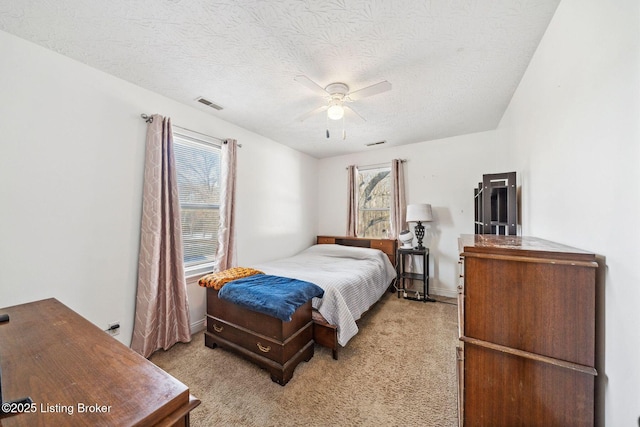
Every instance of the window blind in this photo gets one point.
(198, 172)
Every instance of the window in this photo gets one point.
(198, 171)
(374, 202)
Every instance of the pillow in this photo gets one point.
(219, 279)
(355, 252)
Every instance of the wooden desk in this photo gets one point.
(76, 374)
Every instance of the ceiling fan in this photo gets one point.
(337, 96)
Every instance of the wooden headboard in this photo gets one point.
(388, 246)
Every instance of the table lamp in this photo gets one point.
(419, 213)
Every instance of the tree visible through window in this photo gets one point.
(198, 170)
(374, 202)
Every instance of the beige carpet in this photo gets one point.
(398, 371)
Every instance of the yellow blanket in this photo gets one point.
(217, 280)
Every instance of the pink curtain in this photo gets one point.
(399, 203)
(162, 310)
(352, 203)
(226, 253)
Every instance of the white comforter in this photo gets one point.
(353, 279)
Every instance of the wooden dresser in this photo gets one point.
(527, 331)
(78, 375)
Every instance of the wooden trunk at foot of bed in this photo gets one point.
(271, 343)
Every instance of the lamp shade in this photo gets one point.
(419, 213)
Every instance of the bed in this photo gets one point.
(354, 274)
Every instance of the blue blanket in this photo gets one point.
(275, 296)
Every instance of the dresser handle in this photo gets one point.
(264, 349)
(218, 328)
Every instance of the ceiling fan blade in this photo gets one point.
(348, 107)
(310, 84)
(305, 116)
(370, 90)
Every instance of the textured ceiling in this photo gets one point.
(453, 64)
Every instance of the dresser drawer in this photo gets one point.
(278, 351)
(523, 389)
(461, 275)
(541, 307)
(460, 376)
(461, 315)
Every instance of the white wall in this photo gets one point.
(574, 129)
(71, 168)
(442, 173)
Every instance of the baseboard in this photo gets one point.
(445, 292)
(198, 326)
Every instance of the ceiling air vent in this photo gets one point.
(375, 143)
(208, 103)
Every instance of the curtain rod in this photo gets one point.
(377, 165)
(149, 119)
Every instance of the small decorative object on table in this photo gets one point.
(406, 238)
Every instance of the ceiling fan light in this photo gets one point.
(335, 112)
